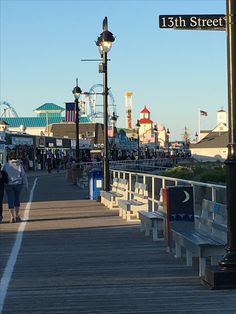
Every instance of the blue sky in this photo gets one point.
(174, 73)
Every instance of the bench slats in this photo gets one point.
(119, 190)
(152, 221)
(129, 208)
(208, 236)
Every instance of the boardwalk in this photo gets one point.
(76, 256)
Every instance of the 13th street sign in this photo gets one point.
(203, 22)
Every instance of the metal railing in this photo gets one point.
(145, 165)
(149, 172)
(155, 183)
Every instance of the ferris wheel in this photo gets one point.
(7, 110)
(95, 99)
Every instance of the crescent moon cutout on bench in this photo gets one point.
(186, 197)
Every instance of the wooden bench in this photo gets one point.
(105, 195)
(206, 238)
(129, 208)
(119, 190)
(151, 222)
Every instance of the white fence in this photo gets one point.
(148, 171)
(155, 183)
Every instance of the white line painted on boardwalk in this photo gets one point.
(6, 277)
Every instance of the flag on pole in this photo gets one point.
(200, 113)
(203, 113)
(70, 112)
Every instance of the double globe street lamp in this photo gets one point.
(104, 43)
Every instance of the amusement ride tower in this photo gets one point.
(128, 109)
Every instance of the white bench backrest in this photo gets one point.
(220, 213)
(219, 227)
(213, 220)
(123, 187)
(204, 224)
(115, 184)
(141, 189)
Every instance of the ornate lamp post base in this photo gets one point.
(217, 277)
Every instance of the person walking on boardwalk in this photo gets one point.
(49, 164)
(3, 181)
(16, 180)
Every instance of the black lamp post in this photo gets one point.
(113, 123)
(168, 141)
(229, 260)
(138, 127)
(104, 43)
(224, 276)
(155, 129)
(196, 137)
(77, 91)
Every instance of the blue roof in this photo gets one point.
(34, 122)
(31, 122)
(49, 106)
(84, 119)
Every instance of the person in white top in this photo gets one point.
(17, 179)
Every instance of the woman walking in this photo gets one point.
(3, 181)
(16, 180)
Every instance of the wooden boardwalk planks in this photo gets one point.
(79, 257)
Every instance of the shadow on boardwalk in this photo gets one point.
(79, 257)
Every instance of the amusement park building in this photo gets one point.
(47, 114)
(50, 123)
(146, 132)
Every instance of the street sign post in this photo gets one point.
(222, 276)
(193, 22)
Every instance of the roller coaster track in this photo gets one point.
(7, 110)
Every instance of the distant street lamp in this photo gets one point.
(168, 141)
(155, 129)
(104, 43)
(77, 92)
(137, 128)
(113, 124)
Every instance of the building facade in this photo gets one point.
(213, 143)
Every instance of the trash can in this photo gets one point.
(96, 183)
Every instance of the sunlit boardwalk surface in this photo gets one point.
(76, 256)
